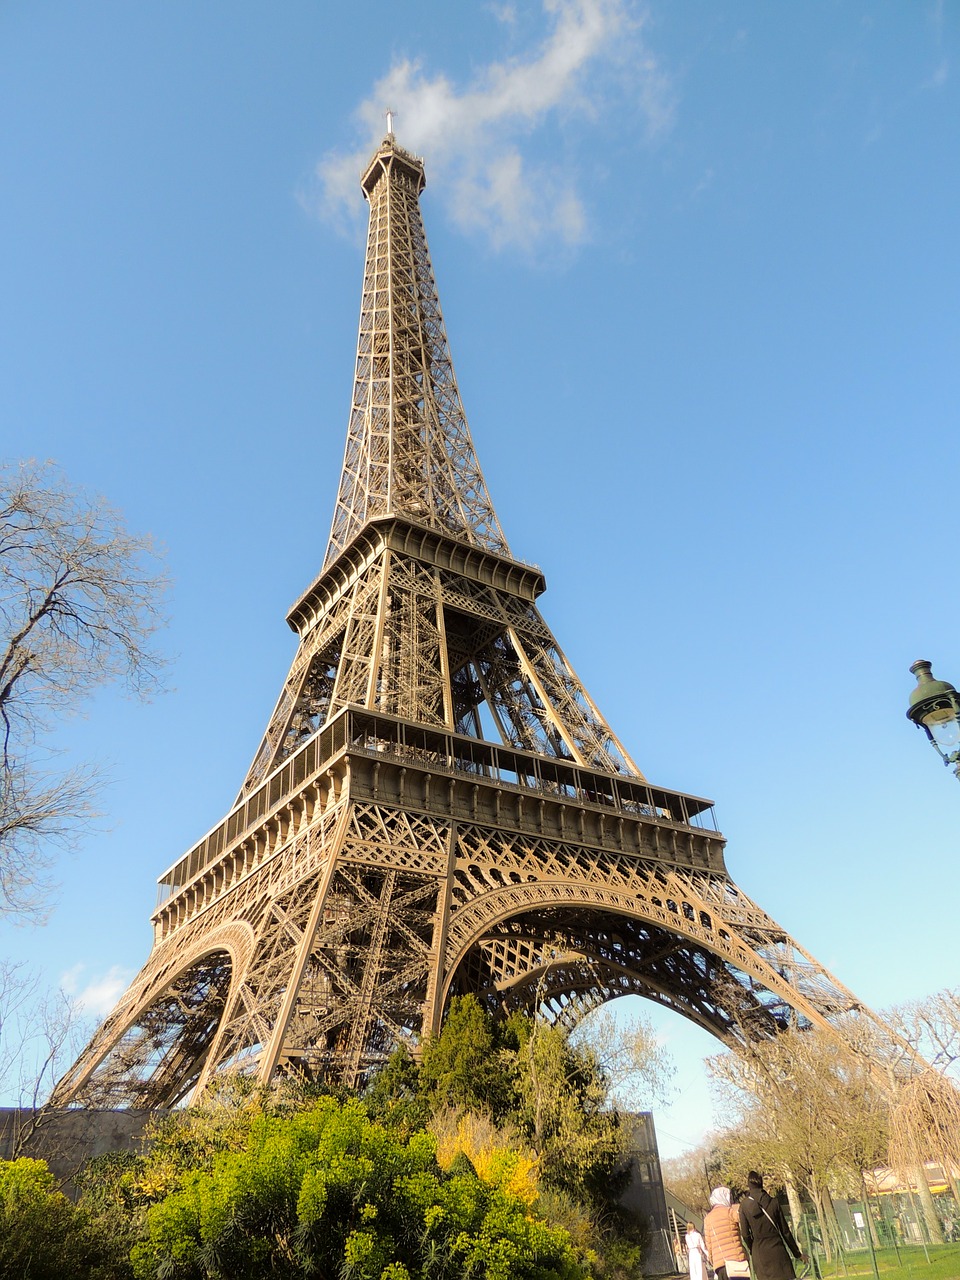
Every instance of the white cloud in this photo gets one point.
(940, 76)
(505, 13)
(476, 137)
(95, 996)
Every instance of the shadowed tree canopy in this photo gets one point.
(79, 604)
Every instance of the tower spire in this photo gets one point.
(409, 451)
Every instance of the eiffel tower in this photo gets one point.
(437, 806)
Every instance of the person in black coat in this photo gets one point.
(766, 1234)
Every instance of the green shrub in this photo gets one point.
(328, 1192)
(43, 1236)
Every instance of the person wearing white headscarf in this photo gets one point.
(721, 1229)
(696, 1253)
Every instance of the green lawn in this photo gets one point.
(944, 1264)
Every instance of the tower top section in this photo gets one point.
(391, 160)
(409, 452)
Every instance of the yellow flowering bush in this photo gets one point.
(328, 1191)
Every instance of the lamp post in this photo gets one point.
(935, 708)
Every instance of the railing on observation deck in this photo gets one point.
(355, 731)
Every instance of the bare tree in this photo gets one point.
(40, 1034)
(932, 1028)
(691, 1176)
(638, 1069)
(925, 1100)
(79, 603)
(810, 1110)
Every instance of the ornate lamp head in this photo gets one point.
(935, 708)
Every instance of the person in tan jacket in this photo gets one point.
(721, 1231)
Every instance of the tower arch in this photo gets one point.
(559, 949)
(151, 1050)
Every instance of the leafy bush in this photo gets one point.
(328, 1192)
(43, 1236)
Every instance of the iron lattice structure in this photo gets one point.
(437, 805)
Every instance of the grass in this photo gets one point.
(944, 1263)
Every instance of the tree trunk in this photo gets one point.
(826, 1215)
(793, 1200)
(874, 1228)
(934, 1229)
(826, 1234)
(830, 1214)
(868, 1214)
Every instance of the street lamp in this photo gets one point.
(935, 708)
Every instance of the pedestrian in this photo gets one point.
(697, 1259)
(766, 1234)
(721, 1231)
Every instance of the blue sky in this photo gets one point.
(699, 266)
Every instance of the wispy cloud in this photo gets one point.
(92, 994)
(477, 137)
(939, 76)
(505, 13)
(941, 72)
